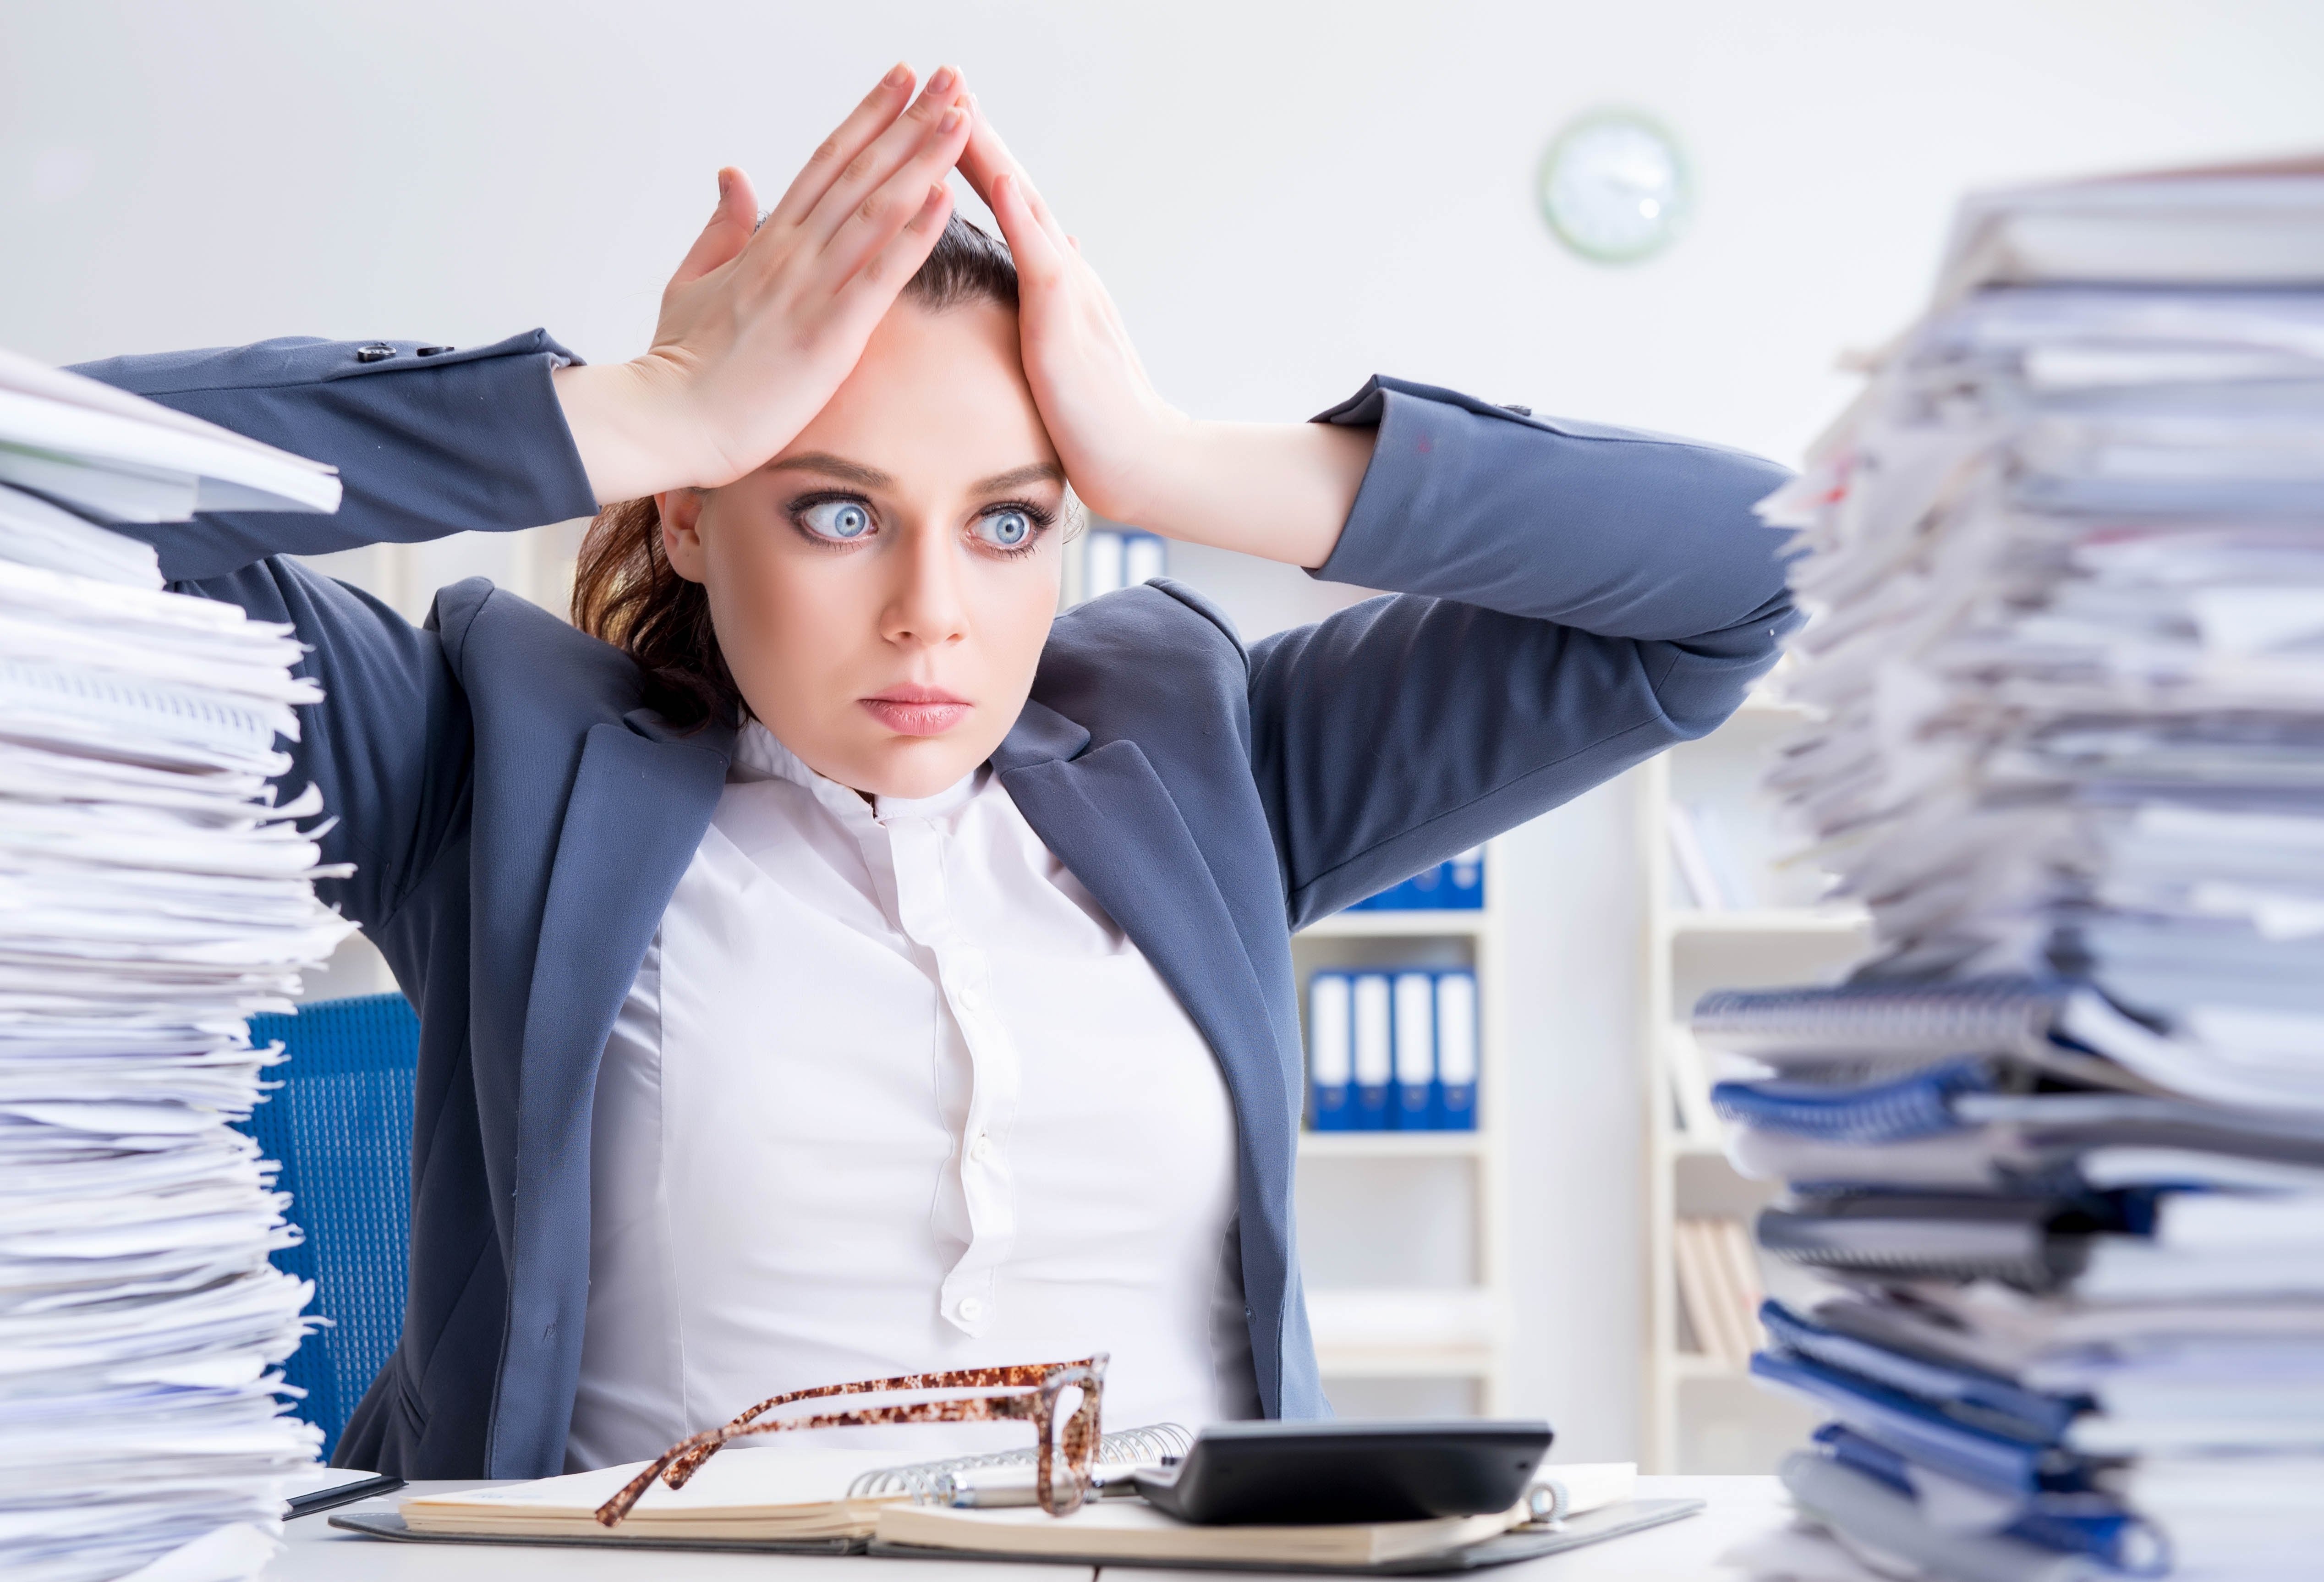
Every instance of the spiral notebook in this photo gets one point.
(1860, 1028)
(787, 1500)
(775, 1491)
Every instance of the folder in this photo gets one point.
(1143, 555)
(1416, 1094)
(1330, 1053)
(1375, 1047)
(1455, 885)
(1456, 1051)
(1102, 563)
(1465, 882)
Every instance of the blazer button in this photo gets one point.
(378, 351)
(429, 351)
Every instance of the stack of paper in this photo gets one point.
(2062, 1141)
(151, 895)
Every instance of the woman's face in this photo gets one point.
(882, 588)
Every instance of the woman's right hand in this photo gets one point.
(758, 330)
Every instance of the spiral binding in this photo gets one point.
(1995, 1016)
(924, 1481)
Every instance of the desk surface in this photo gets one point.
(1740, 1508)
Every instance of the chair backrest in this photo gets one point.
(341, 1124)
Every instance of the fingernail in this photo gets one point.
(952, 120)
(898, 75)
(944, 79)
(935, 194)
(725, 179)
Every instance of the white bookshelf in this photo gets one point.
(1699, 1414)
(1403, 1235)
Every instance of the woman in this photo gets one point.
(833, 966)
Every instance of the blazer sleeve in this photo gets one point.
(455, 442)
(1571, 599)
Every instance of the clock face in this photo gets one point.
(1614, 188)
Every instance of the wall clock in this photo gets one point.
(1614, 187)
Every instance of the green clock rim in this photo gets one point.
(1590, 121)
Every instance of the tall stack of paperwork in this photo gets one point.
(2061, 1144)
(151, 895)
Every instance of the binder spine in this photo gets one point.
(1417, 1089)
(1375, 1050)
(1456, 1051)
(1455, 885)
(1330, 1053)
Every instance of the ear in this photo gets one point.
(681, 531)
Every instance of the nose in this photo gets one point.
(925, 607)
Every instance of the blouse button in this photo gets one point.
(971, 996)
(981, 1150)
(972, 1308)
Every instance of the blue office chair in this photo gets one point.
(341, 1124)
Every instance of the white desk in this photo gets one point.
(1740, 1508)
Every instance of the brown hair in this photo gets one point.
(625, 589)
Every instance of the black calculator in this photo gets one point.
(1294, 1474)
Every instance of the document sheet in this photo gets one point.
(156, 889)
(2060, 1142)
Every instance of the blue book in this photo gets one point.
(1458, 885)
(1330, 1053)
(1916, 1104)
(1374, 1044)
(1464, 881)
(1416, 1091)
(1456, 1051)
(1417, 893)
(2076, 1523)
(1982, 1396)
(1919, 1432)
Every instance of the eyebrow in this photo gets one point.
(1039, 472)
(871, 478)
(837, 467)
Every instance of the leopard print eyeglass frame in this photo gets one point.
(1032, 1392)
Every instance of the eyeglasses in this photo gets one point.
(1033, 1393)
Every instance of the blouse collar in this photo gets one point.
(760, 756)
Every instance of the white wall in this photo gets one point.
(1284, 197)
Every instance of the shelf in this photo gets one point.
(1391, 1144)
(1769, 920)
(1687, 1365)
(1400, 1363)
(1397, 1331)
(1682, 1145)
(1395, 925)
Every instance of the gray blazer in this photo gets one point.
(1572, 600)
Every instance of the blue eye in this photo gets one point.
(840, 521)
(1006, 529)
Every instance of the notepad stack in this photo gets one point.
(2061, 1142)
(150, 899)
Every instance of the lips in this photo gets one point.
(917, 711)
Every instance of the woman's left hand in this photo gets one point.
(1279, 490)
(1102, 411)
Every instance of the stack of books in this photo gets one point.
(152, 894)
(1392, 1051)
(2060, 1145)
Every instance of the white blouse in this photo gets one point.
(892, 1093)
